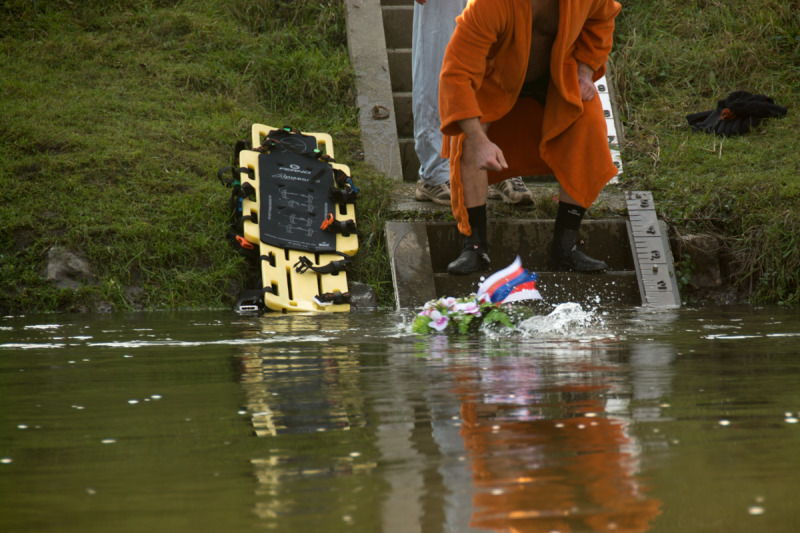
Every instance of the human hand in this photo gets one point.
(487, 155)
(478, 149)
(588, 90)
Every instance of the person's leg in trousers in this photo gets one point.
(433, 24)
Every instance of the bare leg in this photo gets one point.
(474, 255)
(564, 197)
(474, 179)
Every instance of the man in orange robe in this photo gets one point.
(517, 97)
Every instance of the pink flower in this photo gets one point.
(469, 308)
(438, 321)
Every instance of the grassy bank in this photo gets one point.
(116, 117)
(675, 58)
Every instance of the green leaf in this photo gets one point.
(421, 325)
(498, 316)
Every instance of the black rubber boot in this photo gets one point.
(473, 258)
(565, 255)
(474, 255)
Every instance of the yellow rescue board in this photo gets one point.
(290, 290)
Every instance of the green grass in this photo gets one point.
(117, 115)
(675, 58)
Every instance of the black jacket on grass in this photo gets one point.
(736, 115)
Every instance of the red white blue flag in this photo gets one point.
(512, 284)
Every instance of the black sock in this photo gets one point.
(477, 221)
(569, 217)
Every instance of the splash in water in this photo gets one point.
(567, 319)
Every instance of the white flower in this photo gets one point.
(449, 302)
(470, 307)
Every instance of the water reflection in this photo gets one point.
(450, 434)
(543, 451)
(306, 391)
(679, 421)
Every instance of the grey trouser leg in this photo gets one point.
(434, 23)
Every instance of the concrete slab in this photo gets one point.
(376, 113)
(611, 203)
(410, 258)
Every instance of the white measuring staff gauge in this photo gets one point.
(611, 125)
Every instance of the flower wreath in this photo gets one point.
(459, 315)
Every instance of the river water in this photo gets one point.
(588, 420)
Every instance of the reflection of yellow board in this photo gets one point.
(288, 289)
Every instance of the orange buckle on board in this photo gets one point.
(327, 222)
(244, 243)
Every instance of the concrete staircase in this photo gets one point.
(421, 252)
(635, 248)
(397, 27)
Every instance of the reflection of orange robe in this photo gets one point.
(593, 484)
(542, 475)
(482, 75)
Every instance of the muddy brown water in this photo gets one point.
(586, 420)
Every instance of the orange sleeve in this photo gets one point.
(465, 61)
(596, 37)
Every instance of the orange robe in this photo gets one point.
(482, 75)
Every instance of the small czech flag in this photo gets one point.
(512, 284)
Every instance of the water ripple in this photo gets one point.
(167, 342)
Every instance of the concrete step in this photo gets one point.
(397, 25)
(606, 240)
(531, 240)
(634, 247)
(403, 114)
(420, 252)
(409, 158)
(400, 69)
(607, 288)
(398, 18)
